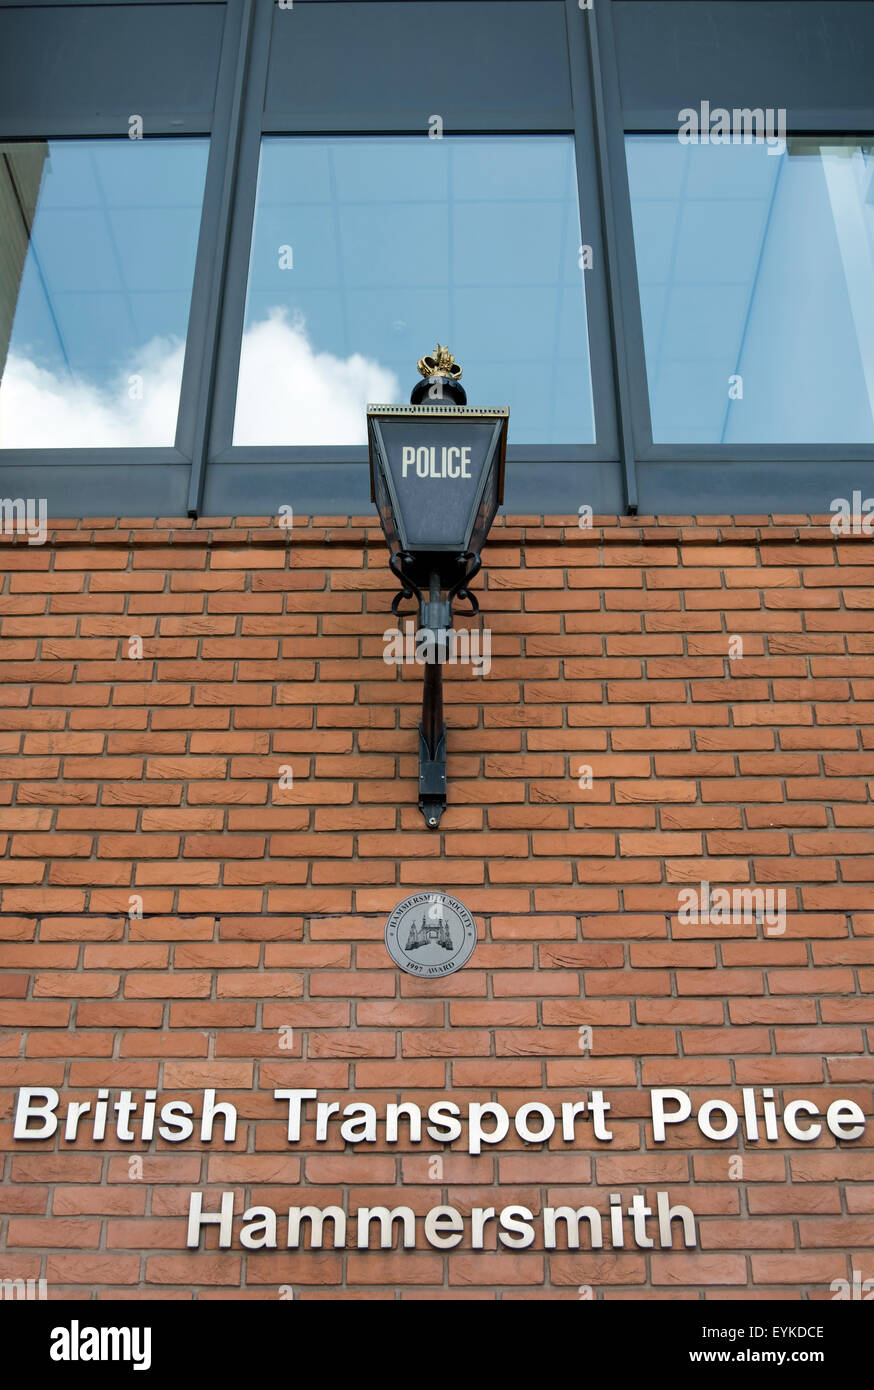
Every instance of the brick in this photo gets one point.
(260, 952)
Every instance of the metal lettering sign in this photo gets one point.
(430, 934)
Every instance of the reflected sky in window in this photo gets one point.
(759, 266)
(97, 248)
(367, 251)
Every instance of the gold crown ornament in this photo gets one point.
(440, 363)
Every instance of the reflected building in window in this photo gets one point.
(21, 169)
(98, 240)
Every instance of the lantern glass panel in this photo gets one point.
(436, 469)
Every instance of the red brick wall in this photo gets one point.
(264, 907)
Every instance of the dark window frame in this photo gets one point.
(623, 471)
(711, 477)
(298, 462)
(164, 486)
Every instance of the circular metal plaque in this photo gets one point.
(430, 934)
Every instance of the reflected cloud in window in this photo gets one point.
(97, 248)
(286, 385)
(756, 275)
(367, 251)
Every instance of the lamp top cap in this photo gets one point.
(442, 379)
(440, 363)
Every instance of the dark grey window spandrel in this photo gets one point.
(457, 58)
(69, 61)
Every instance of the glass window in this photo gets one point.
(368, 251)
(97, 247)
(756, 272)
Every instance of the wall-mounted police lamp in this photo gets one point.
(437, 478)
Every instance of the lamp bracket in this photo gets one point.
(432, 779)
(408, 587)
(460, 590)
(435, 613)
